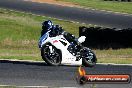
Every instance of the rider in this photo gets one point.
(56, 30)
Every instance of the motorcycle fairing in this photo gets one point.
(67, 57)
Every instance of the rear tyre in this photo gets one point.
(89, 58)
(53, 58)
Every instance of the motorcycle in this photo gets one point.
(57, 50)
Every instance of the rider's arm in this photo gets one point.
(43, 32)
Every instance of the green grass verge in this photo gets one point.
(19, 34)
(120, 56)
(8, 87)
(124, 7)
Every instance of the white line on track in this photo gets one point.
(31, 61)
(10, 86)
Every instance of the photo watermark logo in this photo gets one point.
(83, 78)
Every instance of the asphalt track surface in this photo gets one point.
(40, 74)
(70, 13)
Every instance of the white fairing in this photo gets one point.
(67, 57)
(81, 39)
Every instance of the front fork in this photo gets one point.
(51, 49)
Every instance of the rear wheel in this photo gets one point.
(88, 57)
(51, 58)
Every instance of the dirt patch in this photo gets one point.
(57, 2)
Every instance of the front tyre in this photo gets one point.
(88, 57)
(51, 58)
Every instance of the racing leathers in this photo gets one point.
(57, 30)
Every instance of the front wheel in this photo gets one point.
(51, 57)
(88, 57)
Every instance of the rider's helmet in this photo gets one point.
(47, 25)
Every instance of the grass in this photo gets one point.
(19, 34)
(120, 56)
(125, 7)
(8, 87)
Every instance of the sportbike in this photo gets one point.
(58, 50)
